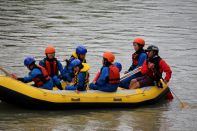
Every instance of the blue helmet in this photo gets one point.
(118, 65)
(75, 62)
(29, 61)
(81, 50)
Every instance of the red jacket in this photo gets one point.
(163, 67)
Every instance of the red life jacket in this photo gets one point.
(41, 79)
(114, 75)
(160, 66)
(155, 73)
(51, 67)
(135, 56)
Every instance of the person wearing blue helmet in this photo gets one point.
(81, 76)
(37, 74)
(79, 53)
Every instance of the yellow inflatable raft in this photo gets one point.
(25, 95)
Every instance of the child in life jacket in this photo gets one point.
(109, 77)
(79, 53)
(81, 76)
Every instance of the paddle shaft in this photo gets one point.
(133, 72)
(177, 97)
(182, 103)
(6, 73)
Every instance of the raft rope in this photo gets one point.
(63, 95)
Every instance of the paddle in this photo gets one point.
(133, 72)
(183, 104)
(4, 71)
(7, 73)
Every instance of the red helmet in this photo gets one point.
(139, 41)
(50, 50)
(109, 56)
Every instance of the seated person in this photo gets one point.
(80, 54)
(152, 70)
(109, 77)
(138, 58)
(37, 74)
(81, 76)
(117, 64)
(53, 66)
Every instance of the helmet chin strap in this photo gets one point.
(106, 63)
(31, 66)
(78, 55)
(49, 58)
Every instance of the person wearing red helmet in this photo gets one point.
(53, 66)
(117, 64)
(152, 69)
(138, 58)
(109, 76)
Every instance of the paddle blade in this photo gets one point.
(184, 105)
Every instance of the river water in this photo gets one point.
(28, 26)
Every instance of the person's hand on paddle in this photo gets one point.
(140, 67)
(9, 74)
(126, 72)
(14, 76)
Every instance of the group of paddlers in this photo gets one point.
(50, 72)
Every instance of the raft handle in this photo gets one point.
(117, 99)
(75, 99)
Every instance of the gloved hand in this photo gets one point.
(126, 72)
(159, 85)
